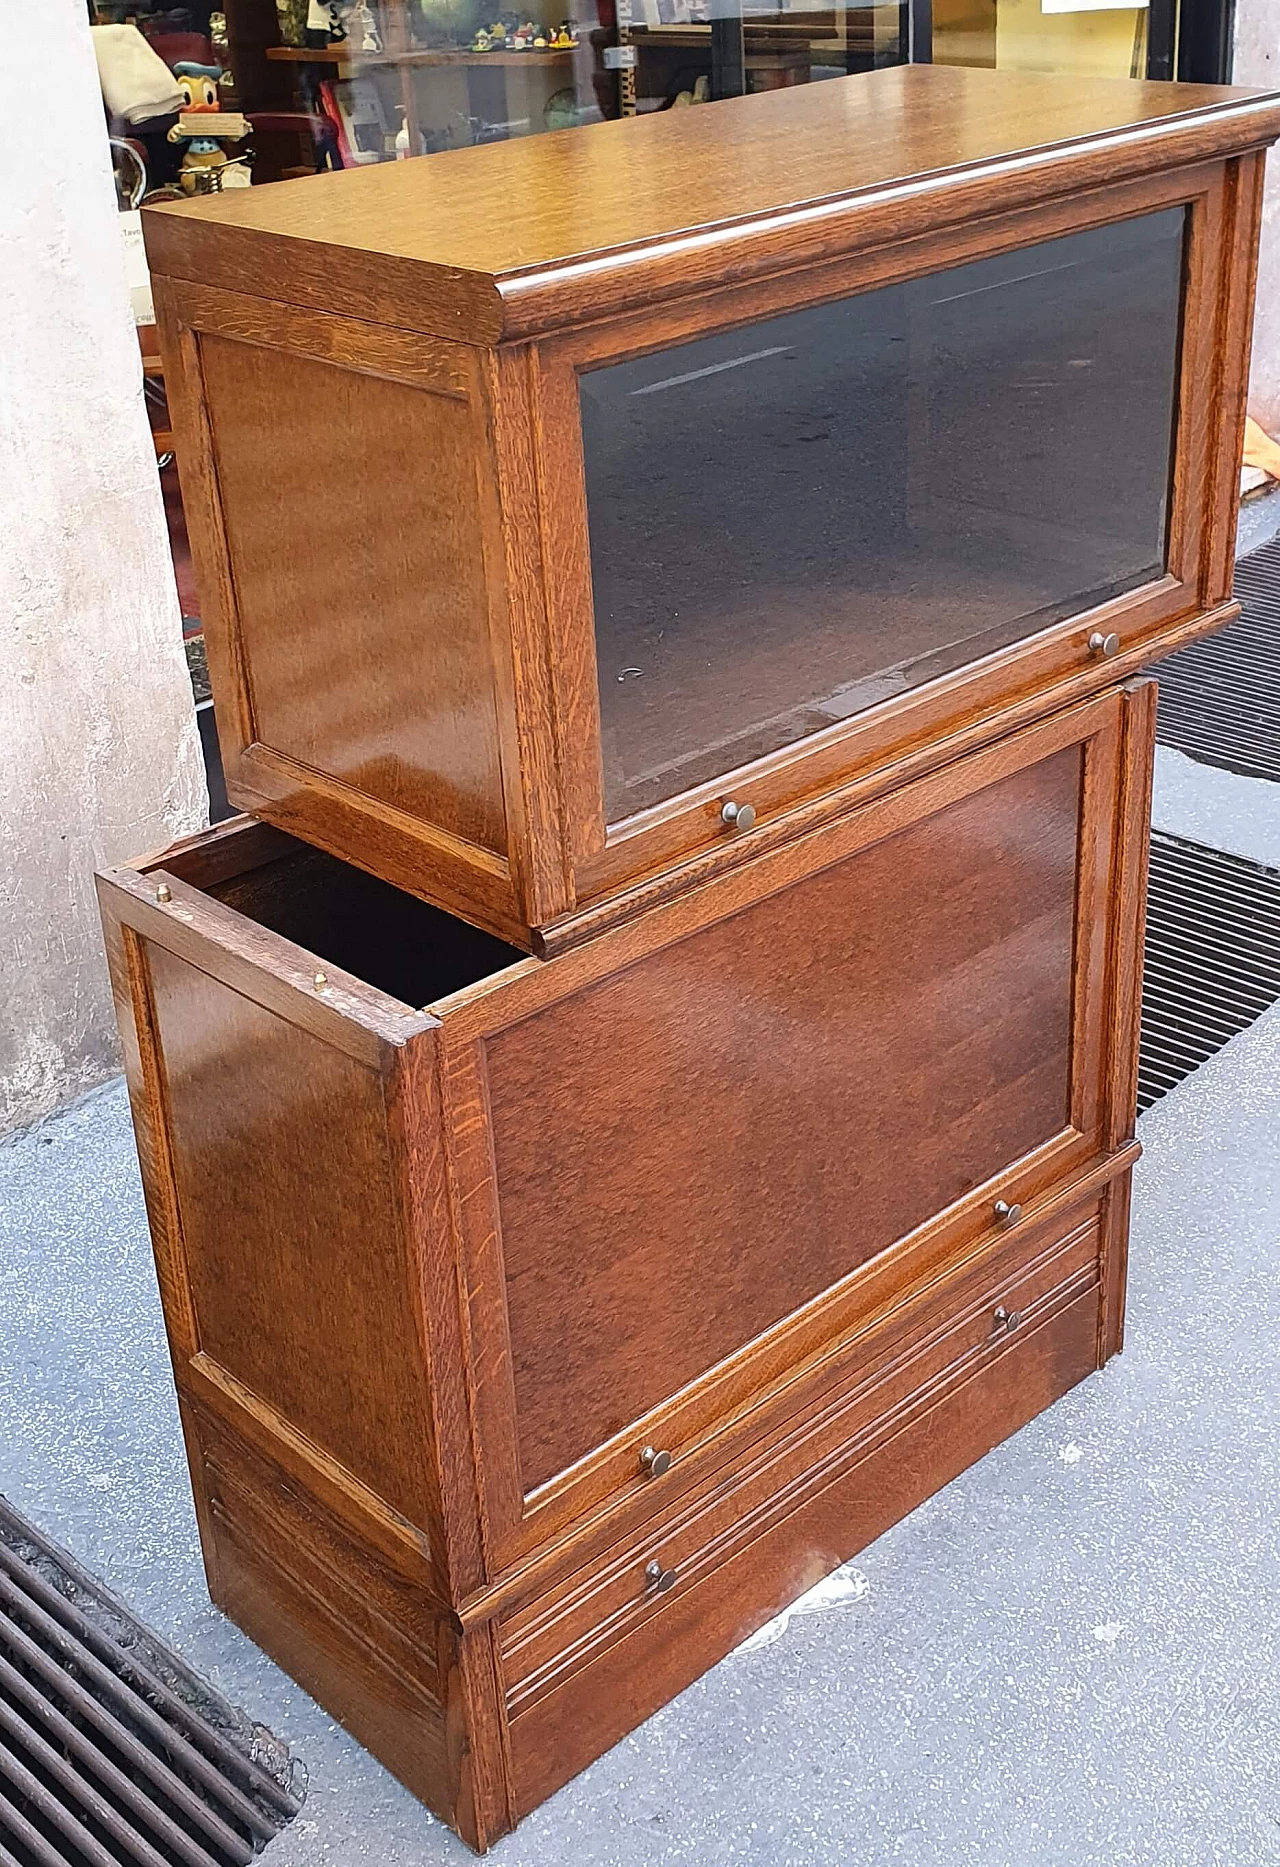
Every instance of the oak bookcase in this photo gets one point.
(647, 1095)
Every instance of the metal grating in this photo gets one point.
(1220, 698)
(113, 1753)
(1212, 957)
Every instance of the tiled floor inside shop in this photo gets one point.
(1069, 1658)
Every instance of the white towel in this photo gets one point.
(136, 82)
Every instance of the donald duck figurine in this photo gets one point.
(203, 154)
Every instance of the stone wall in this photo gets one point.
(99, 751)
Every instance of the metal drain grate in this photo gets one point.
(1212, 957)
(1220, 698)
(113, 1753)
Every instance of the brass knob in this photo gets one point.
(656, 1464)
(738, 816)
(658, 1579)
(163, 893)
(1005, 1213)
(1006, 1320)
(1104, 646)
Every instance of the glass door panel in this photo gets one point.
(792, 521)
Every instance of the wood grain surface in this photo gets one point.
(366, 638)
(284, 1191)
(738, 1122)
(438, 240)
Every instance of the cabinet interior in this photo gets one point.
(402, 946)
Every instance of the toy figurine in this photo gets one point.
(568, 34)
(540, 40)
(483, 41)
(203, 154)
(700, 94)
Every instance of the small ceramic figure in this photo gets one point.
(483, 41)
(199, 87)
(540, 39)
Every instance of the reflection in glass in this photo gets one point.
(792, 521)
(328, 84)
(1043, 35)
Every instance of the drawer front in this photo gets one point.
(714, 1143)
(589, 1660)
(869, 1394)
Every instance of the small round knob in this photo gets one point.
(659, 1579)
(1104, 646)
(1005, 1213)
(163, 893)
(738, 816)
(656, 1464)
(1006, 1320)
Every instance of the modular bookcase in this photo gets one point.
(647, 1095)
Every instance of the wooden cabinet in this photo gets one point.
(651, 1097)
(566, 506)
(493, 1281)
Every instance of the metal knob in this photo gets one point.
(656, 1464)
(1006, 1320)
(658, 1579)
(1104, 646)
(1005, 1213)
(164, 893)
(738, 816)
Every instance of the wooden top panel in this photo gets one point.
(504, 238)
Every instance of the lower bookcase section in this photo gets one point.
(485, 1714)
(543, 1326)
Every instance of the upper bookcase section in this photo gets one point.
(506, 240)
(574, 517)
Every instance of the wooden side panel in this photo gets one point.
(359, 579)
(1228, 361)
(295, 1261)
(690, 1149)
(293, 1167)
(375, 1653)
